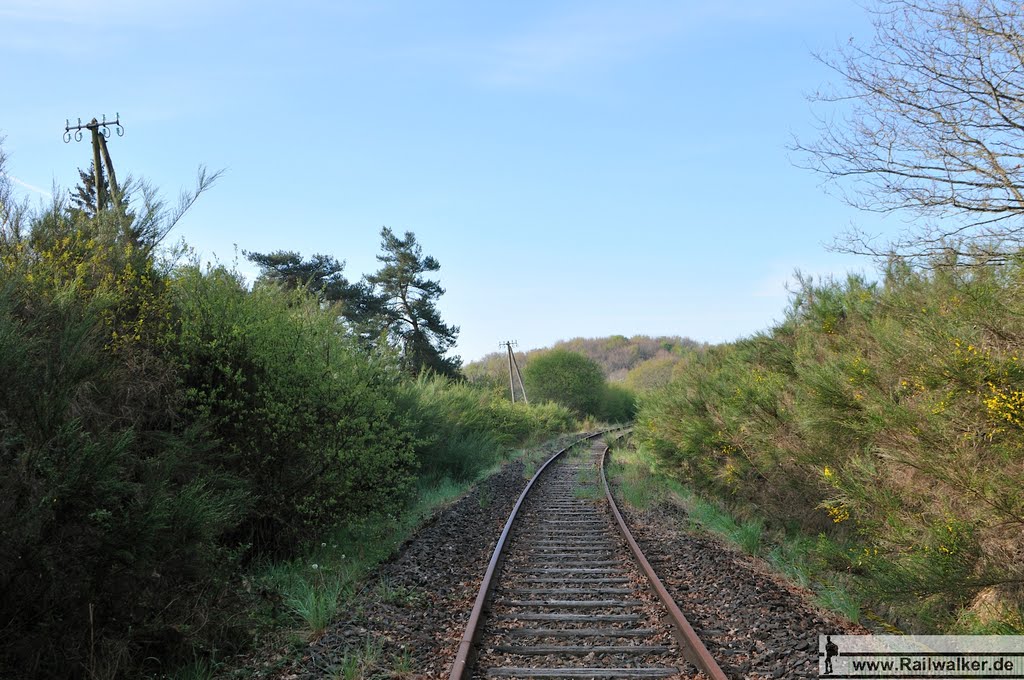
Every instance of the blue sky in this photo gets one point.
(578, 168)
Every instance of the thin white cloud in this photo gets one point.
(773, 285)
(782, 278)
(26, 185)
(73, 28)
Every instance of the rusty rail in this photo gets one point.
(695, 650)
(460, 666)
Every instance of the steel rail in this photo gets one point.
(697, 653)
(460, 666)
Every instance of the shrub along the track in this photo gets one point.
(110, 511)
(307, 421)
(161, 428)
(462, 430)
(887, 414)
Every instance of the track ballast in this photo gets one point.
(568, 599)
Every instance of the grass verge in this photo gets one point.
(303, 596)
(813, 563)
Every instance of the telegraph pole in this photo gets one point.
(512, 363)
(511, 385)
(100, 155)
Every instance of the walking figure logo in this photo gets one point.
(831, 649)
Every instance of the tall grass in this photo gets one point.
(311, 588)
(463, 430)
(818, 564)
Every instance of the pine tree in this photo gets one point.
(323, 276)
(409, 305)
(83, 196)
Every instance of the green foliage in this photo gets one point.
(310, 591)
(566, 378)
(360, 662)
(83, 196)
(886, 414)
(108, 506)
(653, 374)
(321, 274)
(618, 404)
(818, 563)
(409, 305)
(306, 419)
(463, 430)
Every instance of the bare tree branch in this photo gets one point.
(929, 119)
(156, 219)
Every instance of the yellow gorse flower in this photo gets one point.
(1005, 405)
(838, 513)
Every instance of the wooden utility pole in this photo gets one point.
(100, 155)
(513, 364)
(520, 376)
(511, 384)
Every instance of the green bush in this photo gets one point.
(462, 429)
(155, 430)
(889, 414)
(110, 514)
(305, 419)
(577, 382)
(618, 404)
(566, 378)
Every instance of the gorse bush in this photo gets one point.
(108, 509)
(306, 420)
(884, 413)
(162, 428)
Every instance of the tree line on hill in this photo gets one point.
(616, 355)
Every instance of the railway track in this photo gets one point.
(568, 593)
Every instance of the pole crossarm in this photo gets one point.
(101, 126)
(100, 130)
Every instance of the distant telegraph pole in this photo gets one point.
(513, 364)
(100, 155)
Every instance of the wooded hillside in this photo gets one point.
(617, 355)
